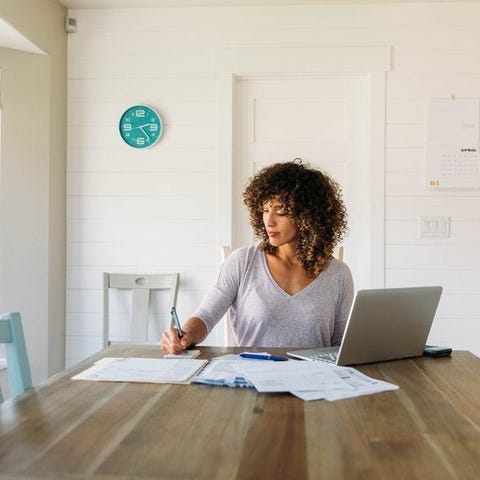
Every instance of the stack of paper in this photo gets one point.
(306, 380)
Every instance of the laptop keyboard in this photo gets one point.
(329, 357)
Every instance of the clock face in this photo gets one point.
(140, 126)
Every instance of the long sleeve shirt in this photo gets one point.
(262, 314)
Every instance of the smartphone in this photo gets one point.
(436, 351)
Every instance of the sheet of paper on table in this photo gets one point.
(145, 370)
(362, 385)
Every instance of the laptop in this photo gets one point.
(384, 324)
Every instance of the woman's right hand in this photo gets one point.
(194, 331)
(172, 344)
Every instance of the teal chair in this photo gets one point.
(18, 366)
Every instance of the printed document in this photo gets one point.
(268, 376)
(146, 370)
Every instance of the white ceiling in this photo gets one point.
(81, 4)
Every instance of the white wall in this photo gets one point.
(155, 210)
(32, 179)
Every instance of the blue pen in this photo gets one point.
(176, 322)
(260, 356)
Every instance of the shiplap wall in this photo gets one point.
(154, 210)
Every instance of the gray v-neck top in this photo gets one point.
(264, 315)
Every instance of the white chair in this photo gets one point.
(18, 366)
(226, 251)
(140, 286)
(228, 329)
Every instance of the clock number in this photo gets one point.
(127, 127)
(140, 113)
(140, 141)
(153, 127)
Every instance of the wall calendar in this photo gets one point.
(453, 147)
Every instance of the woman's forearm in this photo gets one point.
(195, 329)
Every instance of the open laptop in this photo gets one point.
(384, 324)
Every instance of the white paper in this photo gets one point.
(311, 380)
(306, 380)
(361, 385)
(149, 370)
(271, 376)
(184, 355)
(453, 122)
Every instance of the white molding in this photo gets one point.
(313, 60)
(377, 200)
(225, 105)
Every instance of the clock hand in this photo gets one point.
(144, 132)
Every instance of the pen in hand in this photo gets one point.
(175, 322)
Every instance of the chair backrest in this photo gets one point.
(230, 338)
(18, 366)
(338, 253)
(225, 252)
(140, 286)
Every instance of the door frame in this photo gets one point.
(250, 63)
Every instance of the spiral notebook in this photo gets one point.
(185, 354)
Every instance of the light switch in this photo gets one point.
(434, 227)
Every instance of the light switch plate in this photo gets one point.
(434, 227)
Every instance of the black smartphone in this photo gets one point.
(436, 351)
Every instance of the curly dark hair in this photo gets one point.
(311, 198)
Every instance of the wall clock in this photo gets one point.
(140, 126)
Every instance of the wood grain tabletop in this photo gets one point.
(74, 429)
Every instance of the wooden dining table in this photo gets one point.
(74, 429)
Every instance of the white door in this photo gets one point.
(323, 120)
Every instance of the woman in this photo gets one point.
(287, 291)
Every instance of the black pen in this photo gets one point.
(175, 322)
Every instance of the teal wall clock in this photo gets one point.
(140, 126)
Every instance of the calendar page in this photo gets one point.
(453, 167)
(453, 144)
